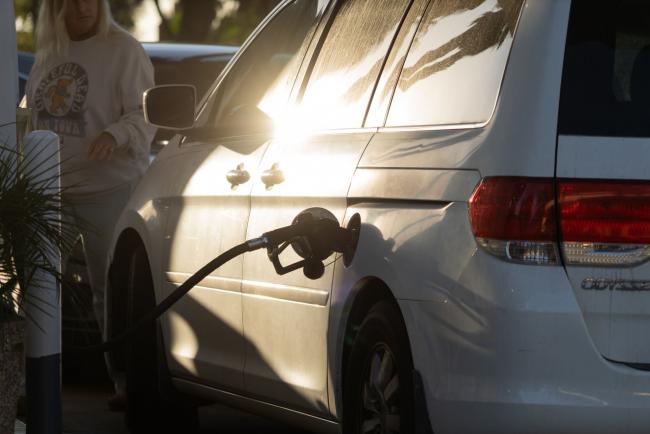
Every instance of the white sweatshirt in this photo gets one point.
(97, 87)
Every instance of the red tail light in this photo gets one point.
(605, 212)
(514, 218)
(510, 208)
(605, 222)
(602, 223)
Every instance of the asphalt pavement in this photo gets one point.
(85, 410)
(86, 388)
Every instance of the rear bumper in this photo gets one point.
(520, 359)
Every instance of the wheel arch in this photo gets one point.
(116, 297)
(132, 231)
(366, 293)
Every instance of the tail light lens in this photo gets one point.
(514, 219)
(602, 223)
(605, 223)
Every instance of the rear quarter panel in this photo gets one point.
(419, 242)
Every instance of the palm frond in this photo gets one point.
(34, 230)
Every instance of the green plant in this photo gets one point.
(32, 231)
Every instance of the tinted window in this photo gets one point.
(348, 64)
(199, 72)
(606, 79)
(254, 94)
(454, 69)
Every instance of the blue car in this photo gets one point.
(173, 63)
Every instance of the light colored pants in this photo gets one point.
(95, 216)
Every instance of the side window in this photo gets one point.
(453, 72)
(606, 78)
(344, 74)
(254, 94)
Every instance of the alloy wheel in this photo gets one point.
(380, 393)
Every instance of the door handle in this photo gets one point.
(238, 176)
(272, 176)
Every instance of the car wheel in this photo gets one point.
(378, 395)
(147, 409)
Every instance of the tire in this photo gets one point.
(147, 409)
(378, 394)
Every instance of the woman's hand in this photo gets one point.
(101, 149)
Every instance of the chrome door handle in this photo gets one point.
(238, 176)
(272, 176)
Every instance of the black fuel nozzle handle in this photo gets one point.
(286, 233)
(310, 237)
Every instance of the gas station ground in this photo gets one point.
(86, 389)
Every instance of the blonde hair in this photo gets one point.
(51, 32)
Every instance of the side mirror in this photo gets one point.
(170, 106)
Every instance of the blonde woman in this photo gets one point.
(86, 86)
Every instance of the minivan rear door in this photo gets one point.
(603, 171)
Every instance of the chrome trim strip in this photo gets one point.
(293, 417)
(253, 288)
(417, 128)
(284, 292)
(373, 201)
(210, 282)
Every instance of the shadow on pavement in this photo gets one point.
(86, 389)
(85, 412)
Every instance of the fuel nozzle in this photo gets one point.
(314, 235)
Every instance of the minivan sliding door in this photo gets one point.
(310, 163)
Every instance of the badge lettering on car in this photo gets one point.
(603, 284)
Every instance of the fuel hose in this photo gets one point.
(172, 298)
(322, 236)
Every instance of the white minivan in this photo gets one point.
(497, 153)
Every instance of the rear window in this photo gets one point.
(453, 72)
(606, 78)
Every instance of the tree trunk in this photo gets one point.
(197, 19)
(34, 11)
